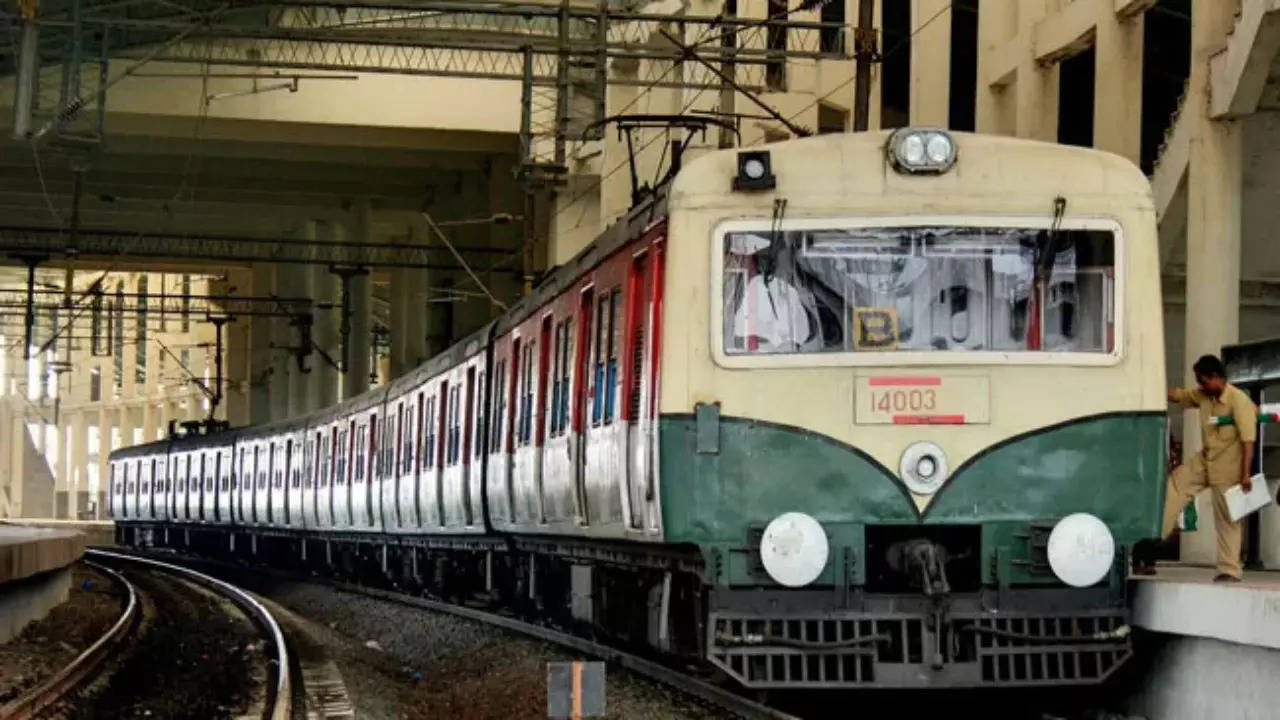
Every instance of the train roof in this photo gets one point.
(143, 450)
(626, 229)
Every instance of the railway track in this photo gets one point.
(84, 667)
(706, 692)
(45, 699)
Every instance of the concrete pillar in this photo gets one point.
(408, 316)
(260, 349)
(997, 26)
(931, 62)
(295, 282)
(1117, 82)
(106, 421)
(1035, 105)
(325, 290)
(360, 342)
(60, 467)
(77, 466)
(235, 353)
(1214, 185)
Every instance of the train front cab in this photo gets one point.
(883, 393)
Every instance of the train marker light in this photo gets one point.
(923, 468)
(755, 171)
(921, 151)
(794, 549)
(1081, 550)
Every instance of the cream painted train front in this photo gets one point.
(912, 406)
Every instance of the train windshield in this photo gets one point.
(919, 289)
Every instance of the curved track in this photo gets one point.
(85, 665)
(279, 701)
(713, 694)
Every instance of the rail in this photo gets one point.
(70, 677)
(280, 705)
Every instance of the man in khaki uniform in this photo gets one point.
(1225, 460)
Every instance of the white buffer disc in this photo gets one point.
(794, 549)
(1081, 550)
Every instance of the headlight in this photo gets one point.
(921, 151)
(1081, 550)
(794, 549)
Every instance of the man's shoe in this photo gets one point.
(1225, 578)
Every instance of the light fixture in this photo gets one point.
(755, 171)
(923, 468)
(922, 151)
(794, 549)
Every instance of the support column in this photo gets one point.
(260, 350)
(77, 466)
(235, 356)
(1214, 184)
(1117, 82)
(62, 468)
(931, 63)
(105, 424)
(356, 379)
(997, 27)
(295, 282)
(324, 329)
(1035, 105)
(409, 295)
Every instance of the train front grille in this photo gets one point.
(846, 648)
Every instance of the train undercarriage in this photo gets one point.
(654, 599)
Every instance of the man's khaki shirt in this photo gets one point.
(1223, 450)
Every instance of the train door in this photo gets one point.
(425, 480)
(193, 486)
(413, 446)
(581, 399)
(473, 445)
(371, 469)
(124, 490)
(440, 443)
(290, 483)
(397, 472)
(515, 395)
(245, 472)
(644, 290)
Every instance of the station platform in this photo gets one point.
(1212, 649)
(35, 573)
(97, 533)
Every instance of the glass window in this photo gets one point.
(918, 289)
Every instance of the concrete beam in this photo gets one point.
(1171, 166)
(1125, 9)
(1239, 72)
(1066, 32)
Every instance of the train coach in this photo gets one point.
(867, 410)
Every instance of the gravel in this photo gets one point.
(404, 662)
(196, 656)
(49, 644)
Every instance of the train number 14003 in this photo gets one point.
(904, 400)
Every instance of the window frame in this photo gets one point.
(915, 357)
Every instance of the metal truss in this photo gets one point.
(164, 306)
(24, 242)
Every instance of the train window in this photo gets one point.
(498, 405)
(613, 342)
(343, 453)
(931, 288)
(324, 460)
(429, 434)
(560, 375)
(455, 423)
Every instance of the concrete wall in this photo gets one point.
(1188, 678)
(30, 599)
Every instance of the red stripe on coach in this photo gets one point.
(905, 381)
(928, 419)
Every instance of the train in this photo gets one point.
(862, 410)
